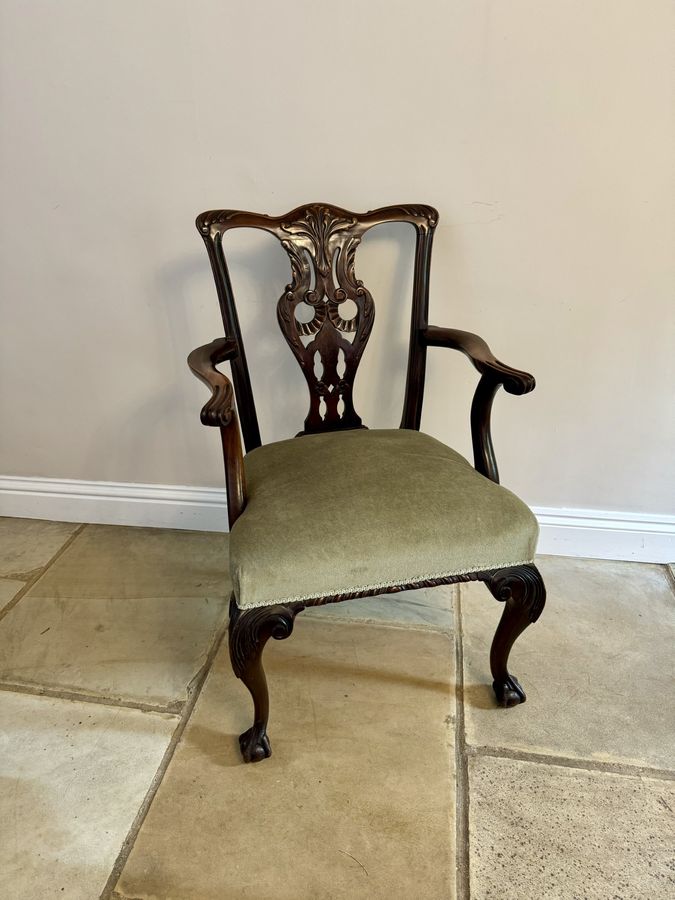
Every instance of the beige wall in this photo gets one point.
(543, 131)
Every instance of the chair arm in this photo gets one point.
(514, 381)
(493, 374)
(221, 410)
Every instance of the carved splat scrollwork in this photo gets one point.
(321, 244)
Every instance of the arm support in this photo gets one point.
(493, 374)
(220, 410)
(514, 381)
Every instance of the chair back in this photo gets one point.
(325, 313)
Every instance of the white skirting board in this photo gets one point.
(592, 533)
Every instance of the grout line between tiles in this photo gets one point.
(34, 580)
(402, 626)
(463, 891)
(380, 623)
(670, 575)
(41, 690)
(569, 762)
(197, 683)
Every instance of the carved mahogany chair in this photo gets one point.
(420, 514)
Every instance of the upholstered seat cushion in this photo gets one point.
(352, 511)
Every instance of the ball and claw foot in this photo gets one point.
(254, 744)
(509, 692)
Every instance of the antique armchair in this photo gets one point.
(419, 514)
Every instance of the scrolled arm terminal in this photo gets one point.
(494, 374)
(220, 411)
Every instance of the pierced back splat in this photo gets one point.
(322, 243)
(325, 313)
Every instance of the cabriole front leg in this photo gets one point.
(249, 631)
(523, 594)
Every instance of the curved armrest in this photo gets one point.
(221, 410)
(203, 361)
(493, 374)
(514, 381)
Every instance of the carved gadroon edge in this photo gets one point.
(388, 589)
(521, 584)
(250, 629)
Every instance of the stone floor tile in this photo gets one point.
(356, 800)
(426, 606)
(26, 545)
(73, 778)
(598, 667)
(543, 831)
(124, 613)
(9, 588)
(144, 650)
(117, 562)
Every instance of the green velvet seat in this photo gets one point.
(345, 512)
